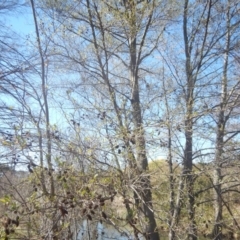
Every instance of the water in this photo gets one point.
(97, 231)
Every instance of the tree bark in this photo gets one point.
(142, 162)
(188, 155)
(221, 122)
(45, 100)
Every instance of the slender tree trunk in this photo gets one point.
(171, 234)
(188, 175)
(188, 155)
(142, 161)
(186, 179)
(151, 227)
(217, 174)
(45, 99)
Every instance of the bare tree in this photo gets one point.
(117, 35)
(227, 103)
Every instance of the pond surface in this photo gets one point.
(98, 231)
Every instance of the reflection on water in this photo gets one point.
(98, 231)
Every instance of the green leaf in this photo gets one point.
(6, 199)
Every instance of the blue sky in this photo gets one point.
(20, 22)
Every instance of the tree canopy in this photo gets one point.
(123, 114)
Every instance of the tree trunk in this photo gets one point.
(45, 100)
(142, 162)
(221, 122)
(188, 155)
(187, 166)
(171, 233)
